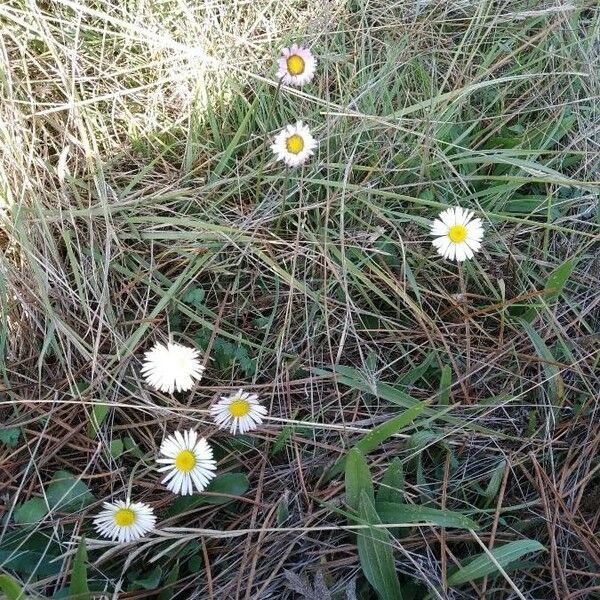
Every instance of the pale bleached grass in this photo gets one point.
(135, 170)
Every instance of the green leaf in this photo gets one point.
(79, 579)
(281, 440)
(10, 437)
(195, 297)
(31, 512)
(376, 553)
(493, 486)
(391, 487)
(358, 478)
(67, 493)
(554, 285)
(283, 511)
(149, 580)
(194, 563)
(99, 413)
(558, 278)
(413, 375)
(226, 485)
(167, 592)
(396, 512)
(11, 588)
(355, 379)
(483, 565)
(445, 385)
(381, 433)
(554, 383)
(234, 143)
(116, 448)
(231, 484)
(30, 554)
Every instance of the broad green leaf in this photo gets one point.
(557, 279)
(11, 588)
(195, 297)
(391, 487)
(226, 485)
(376, 554)
(483, 565)
(283, 511)
(79, 589)
(31, 512)
(99, 413)
(116, 448)
(67, 493)
(168, 588)
(395, 512)
(148, 580)
(381, 433)
(30, 554)
(10, 437)
(358, 478)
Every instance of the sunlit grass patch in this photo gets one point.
(432, 419)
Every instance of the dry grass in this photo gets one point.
(138, 197)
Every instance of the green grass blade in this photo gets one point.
(486, 564)
(395, 512)
(358, 478)
(376, 553)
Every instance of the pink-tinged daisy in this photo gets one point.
(294, 145)
(297, 65)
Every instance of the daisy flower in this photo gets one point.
(457, 234)
(242, 412)
(294, 144)
(125, 521)
(297, 65)
(188, 461)
(171, 367)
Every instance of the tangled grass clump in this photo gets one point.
(413, 427)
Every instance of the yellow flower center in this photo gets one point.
(185, 461)
(295, 65)
(239, 408)
(295, 144)
(457, 233)
(124, 517)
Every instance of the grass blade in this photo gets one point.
(376, 554)
(485, 564)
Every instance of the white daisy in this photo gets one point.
(294, 144)
(189, 462)
(172, 367)
(458, 234)
(297, 65)
(125, 521)
(242, 412)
